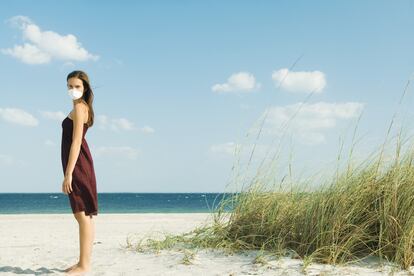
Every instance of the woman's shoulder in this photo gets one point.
(81, 105)
(81, 102)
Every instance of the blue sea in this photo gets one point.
(57, 203)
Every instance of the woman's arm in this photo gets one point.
(78, 118)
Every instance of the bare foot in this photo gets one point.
(78, 270)
(71, 267)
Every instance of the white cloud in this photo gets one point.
(43, 46)
(49, 142)
(103, 122)
(310, 120)
(226, 148)
(147, 129)
(18, 116)
(7, 160)
(242, 150)
(117, 124)
(113, 124)
(238, 82)
(313, 81)
(68, 64)
(123, 151)
(123, 123)
(28, 53)
(245, 106)
(53, 115)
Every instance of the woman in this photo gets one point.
(79, 181)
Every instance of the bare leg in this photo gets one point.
(75, 265)
(86, 237)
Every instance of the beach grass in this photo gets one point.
(362, 210)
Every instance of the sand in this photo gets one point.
(45, 244)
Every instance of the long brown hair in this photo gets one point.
(87, 92)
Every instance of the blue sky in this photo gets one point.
(179, 84)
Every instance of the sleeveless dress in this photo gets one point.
(83, 196)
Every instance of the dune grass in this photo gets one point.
(363, 210)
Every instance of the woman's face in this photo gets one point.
(75, 83)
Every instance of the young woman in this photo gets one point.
(79, 181)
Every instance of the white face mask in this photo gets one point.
(74, 94)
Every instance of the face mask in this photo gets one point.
(74, 94)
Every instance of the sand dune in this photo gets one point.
(45, 244)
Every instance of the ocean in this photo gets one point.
(56, 203)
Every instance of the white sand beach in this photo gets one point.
(45, 244)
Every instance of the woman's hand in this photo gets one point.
(67, 184)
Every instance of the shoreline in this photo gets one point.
(132, 213)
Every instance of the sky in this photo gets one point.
(199, 96)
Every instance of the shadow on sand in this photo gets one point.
(39, 271)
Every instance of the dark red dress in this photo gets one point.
(83, 196)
